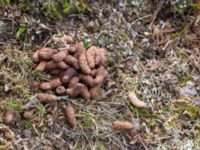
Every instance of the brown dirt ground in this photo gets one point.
(157, 59)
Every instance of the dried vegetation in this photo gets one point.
(150, 99)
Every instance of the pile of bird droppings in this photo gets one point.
(77, 71)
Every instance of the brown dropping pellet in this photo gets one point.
(29, 113)
(84, 64)
(72, 49)
(122, 125)
(56, 71)
(74, 80)
(60, 90)
(51, 84)
(100, 75)
(41, 66)
(8, 115)
(90, 55)
(80, 48)
(87, 79)
(85, 93)
(93, 72)
(60, 56)
(46, 98)
(75, 90)
(94, 91)
(46, 53)
(53, 65)
(72, 61)
(70, 114)
(67, 75)
(36, 56)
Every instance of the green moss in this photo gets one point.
(82, 7)
(185, 78)
(104, 40)
(5, 1)
(127, 82)
(181, 55)
(1, 89)
(87, 120)
(41, 111)
(79, 5)
(119, 56)
(99, 137)
(27, 123)
(26, 94)
(179, 6)
(18, 88)
(86, 43)
(192, 111)
(24, 5)
(151, 123)
(123, 37)
(20, 32)
(140, 111)
(185, 107)
(39, 74)
(100, 147)
(2, 12)
(137, 46)
(52, 10)
(67, 7)
(1, 116)
(196, 6)
(12, 103)
(169, 124)
(197, 128)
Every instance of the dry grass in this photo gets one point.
(153, 63)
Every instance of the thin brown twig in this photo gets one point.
(138, 138)
(156, 12)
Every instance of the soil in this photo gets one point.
(152, 51)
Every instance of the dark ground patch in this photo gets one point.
(160, 63)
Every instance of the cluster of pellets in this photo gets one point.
(77, 71)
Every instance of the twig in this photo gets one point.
(136, 20)
(156, 12)
(138, 138)
(34, 101)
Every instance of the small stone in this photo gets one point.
(6, 87)
(188, 90)
(91, 26)
(129, 64)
